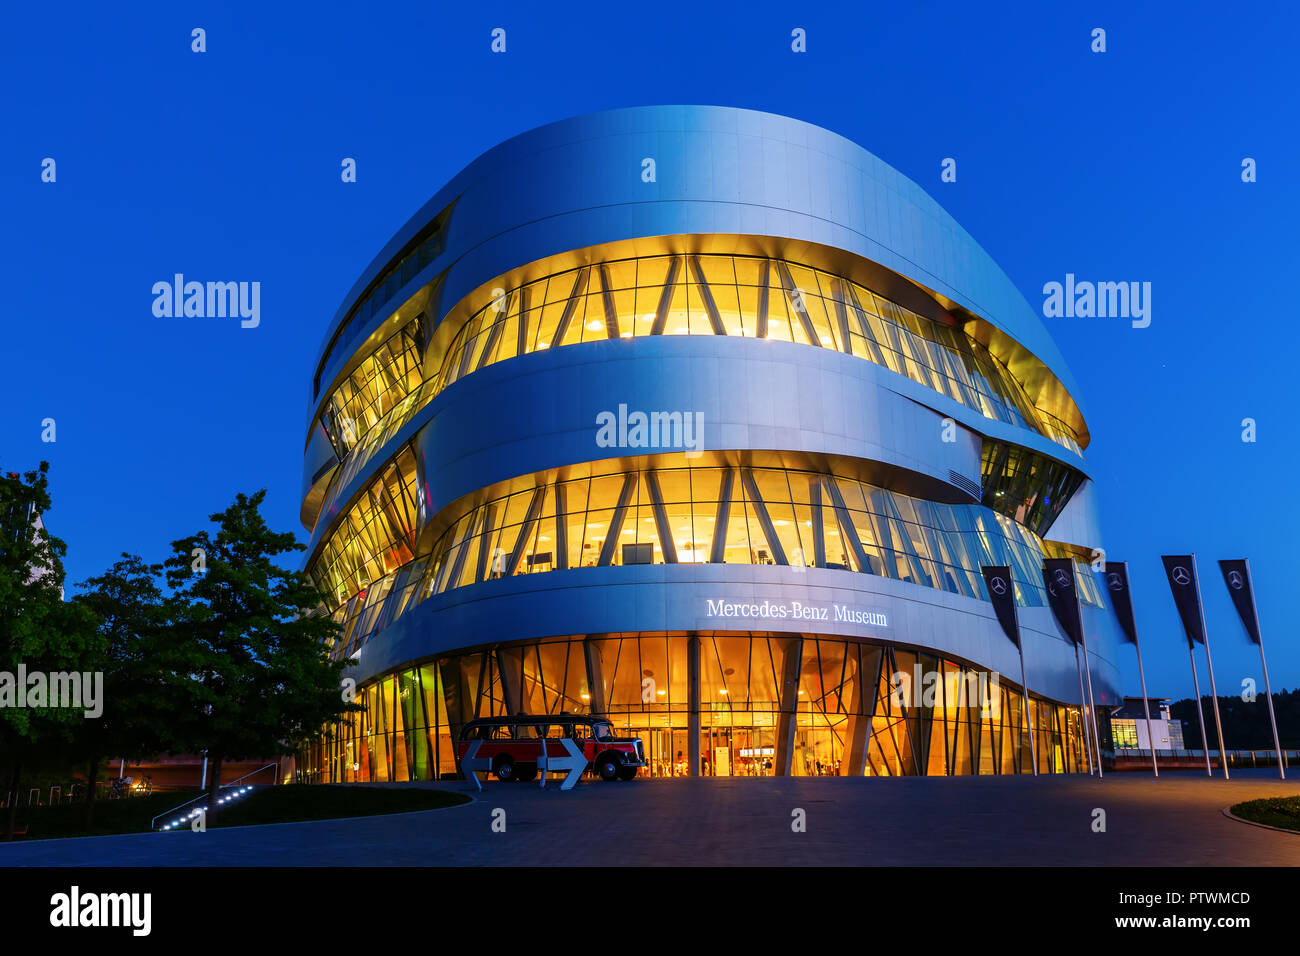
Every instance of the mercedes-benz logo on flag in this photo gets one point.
(1181, 576)
(1114, 582)
(1062, 578)
(1234, 579)
(998, 585)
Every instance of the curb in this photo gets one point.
(1227, 812)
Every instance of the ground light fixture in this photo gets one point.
(229, 798)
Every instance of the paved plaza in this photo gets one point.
(1175, 821)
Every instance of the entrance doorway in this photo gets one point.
(666, 751)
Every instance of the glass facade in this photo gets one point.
(1124, 734)
(744, 296)
(375, 536)
(748, 296)
(371, 390)
(673, 515)
(426, 247)
(853, 708)
(1026, 486)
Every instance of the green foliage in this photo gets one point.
(1281, 812)
(129, 815)
(247, 673)
(38, 629)
(228, 658)
(127, 603)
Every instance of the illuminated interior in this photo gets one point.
(375, 536)
(858, 708)
(677, 514)
(371, 390)
(760, 298)
(1026, 486)
(750, 296)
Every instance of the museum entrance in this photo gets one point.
(666, 750)
(725, 751)
(739, 751)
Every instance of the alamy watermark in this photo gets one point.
(931, 689)
(63, 690)
(75, 908)
(208, 300)
(1103, 300)
(636, 429)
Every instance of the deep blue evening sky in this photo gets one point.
(225, 165)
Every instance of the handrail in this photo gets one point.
(274, 763)
(204, 795)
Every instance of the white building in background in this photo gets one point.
(38, 529)
(1128, 726)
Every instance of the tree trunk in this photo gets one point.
(214, 785)
(91, 773)
(11, 818)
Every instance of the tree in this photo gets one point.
(39, 632)
(1246, 725)
(127, 604)
(248, 672)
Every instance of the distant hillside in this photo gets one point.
(1245, 726)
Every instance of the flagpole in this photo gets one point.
(1024, 684)
(1214, 695)
(1277, 746)
(1122, 604)
(1209, 664)
(1002, 596)
(1087, 669)
(1200, 711)
(1146, 705)
(1083, 709)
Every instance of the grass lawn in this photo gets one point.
(129, 815)
(1281, 812)
(304, 801)
(283, 804)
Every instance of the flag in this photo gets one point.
(1121, 597)
(1001, 593)
(1058, 578)
(1236, 574)
(1181, 571)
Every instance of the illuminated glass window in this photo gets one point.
(1031, 488)
(374, 538)
(1124, 733)
(914, 712)
(423, 249)
(1084, 575)
(692, 515)
(746, 296)
(697, 295)
(374, 388)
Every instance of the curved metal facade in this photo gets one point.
(875, 389)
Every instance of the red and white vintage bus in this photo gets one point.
(513, 744)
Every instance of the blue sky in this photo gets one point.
(1119, 166)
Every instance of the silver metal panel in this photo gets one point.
(539, 411)
(676, 598)
(577, 183)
